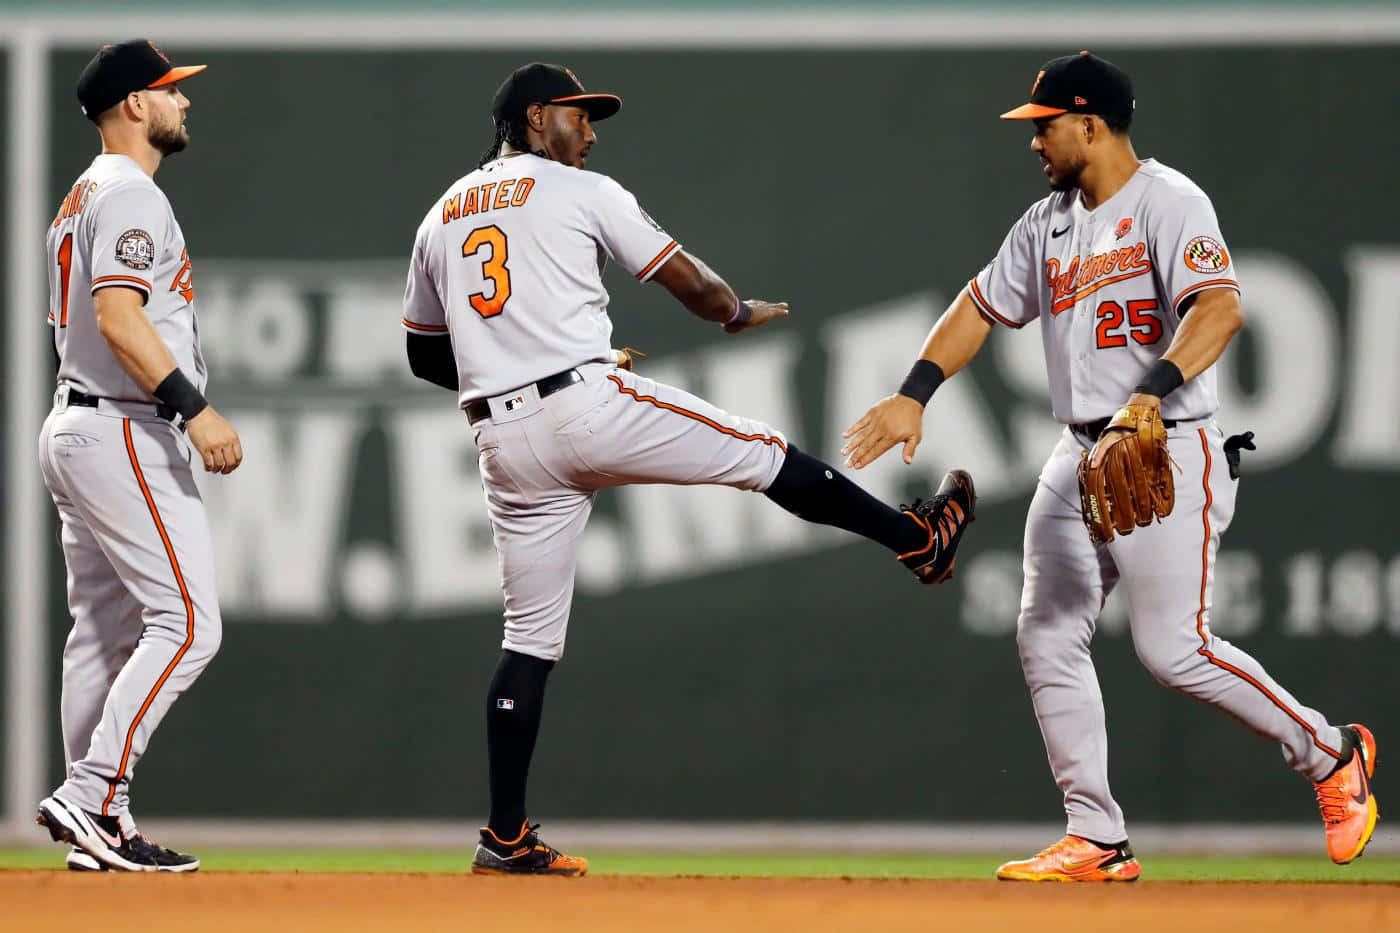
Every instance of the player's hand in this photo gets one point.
(761, 312)
(216, 441)
(1137, 398)
(627, 357)
(889, 421)
(1142, 398)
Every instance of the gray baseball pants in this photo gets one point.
(1168, 571)
(139, 556)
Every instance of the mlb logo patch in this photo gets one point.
(505, 704)
(512, 404)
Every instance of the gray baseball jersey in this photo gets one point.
(136, 541)
(116, 227)
(508, 264)
(1110, 287)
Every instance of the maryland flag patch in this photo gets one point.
(1206, 255)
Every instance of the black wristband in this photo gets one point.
(178, 393)
(1161, 380)
(742, 314)
(924, 378)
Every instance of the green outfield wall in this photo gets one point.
(726, 661)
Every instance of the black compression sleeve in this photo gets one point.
(431, 359)
(816, 492)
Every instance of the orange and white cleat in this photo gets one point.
(1075, 859)
(524, 855)
(1348, 807)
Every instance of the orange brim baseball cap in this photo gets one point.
(178, 73)
(1082, 83)
(540, 83)
(117, 70)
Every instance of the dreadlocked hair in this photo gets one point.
(507, 131)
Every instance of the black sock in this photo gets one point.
(815, 492)
(1105, 845)
(514, 703)
(1351, 741)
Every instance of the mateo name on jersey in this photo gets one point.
(511, 192)
(1086, 277)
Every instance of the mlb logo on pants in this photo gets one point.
(505, 704)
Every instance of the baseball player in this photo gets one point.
(505, 306)
(115, 457)
(1126, 269)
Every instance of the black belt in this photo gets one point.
(84, 400)
(1092, 429)
(478, 409)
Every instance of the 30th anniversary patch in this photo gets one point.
(136, 249)
(1205, 254)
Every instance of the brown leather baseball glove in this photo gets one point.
(1126, 480)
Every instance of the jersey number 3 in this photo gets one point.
(1144, 327)
(492, 240)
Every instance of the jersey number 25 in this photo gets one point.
(489, 243)
(1144, 327)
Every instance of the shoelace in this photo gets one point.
(533, 841)
(155, 849)
(1054, 849)
(1332, 801)
(935, 504)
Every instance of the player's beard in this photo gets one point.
(1067, 180)
(565, 148)
(167, 138)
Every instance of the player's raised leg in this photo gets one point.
(1066, 583)
(1173, 639)
(699, 443)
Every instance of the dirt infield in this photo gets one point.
(401, 903)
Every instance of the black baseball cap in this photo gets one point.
(539, 83)
(117, 70)
(1082, 83)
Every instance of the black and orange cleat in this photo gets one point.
(945, 517)
(523, 855)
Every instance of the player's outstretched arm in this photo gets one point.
(145, 357)
(955, 339)
(709, 297)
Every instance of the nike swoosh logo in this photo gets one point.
(114, 842)
(1081, 864)
(1056, 234)
(1365, 794)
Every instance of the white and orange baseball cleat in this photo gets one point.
(1348, 807)
(1075, 859)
